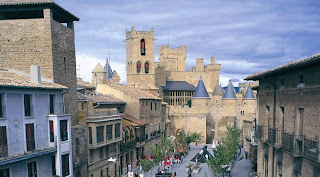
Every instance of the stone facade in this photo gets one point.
(288, 123)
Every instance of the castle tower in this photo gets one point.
(107, 68)
(200, 99)
(217, 94)
(249, 104)
(32, 33)
(98, 75)
(229, 102)
(140, 56)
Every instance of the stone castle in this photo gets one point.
(194, 99)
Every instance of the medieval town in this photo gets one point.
(149, 103)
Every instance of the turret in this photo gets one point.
(200, 65)
(98, 75)
(200, 99)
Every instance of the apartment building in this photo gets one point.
(35, 138)
(288, 119)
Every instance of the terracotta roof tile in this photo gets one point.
(81, 83)
(12, 79)
(290, 65)
(133, 119)
(100, 98)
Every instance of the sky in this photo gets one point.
(245, 36)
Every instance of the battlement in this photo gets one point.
(134, 33)
(180, 50)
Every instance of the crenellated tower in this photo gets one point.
(140, 56)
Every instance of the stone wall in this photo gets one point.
(80, 160)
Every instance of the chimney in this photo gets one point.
(35, 74)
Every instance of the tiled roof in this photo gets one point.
(217, 90)
(201, 91)
(129, 90)
(133, 119)
(229, 93)
(83, 84)
(178, 86)
(20, 2)
(249, 94)
(107, 68)
(100, 98)
(98, 68)
(13, 79)
(145, 86)
(288, 66)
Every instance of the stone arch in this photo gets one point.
(146, 67)
(142, 47)
(132, 135)
(138, 66)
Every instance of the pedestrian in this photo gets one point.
(189, 173)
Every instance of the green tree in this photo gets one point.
(184, 139)
(146, 165)
(225, 152)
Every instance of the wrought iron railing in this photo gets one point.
(278, 138)
(262, 133)
(272, 136)
(298, 145)
(287, 141)
(311, 149)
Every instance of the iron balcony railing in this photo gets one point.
(262, 133)
(293, 143)
(22, 147)
(272, 136)
(105, 113)
(278, 138)
(311, 149)
(140, 139)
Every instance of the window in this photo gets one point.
(146, 67)
(155, 106)
(109, 132)
(65, 165)
(2, 106)
(282, 82)
(151, 105)
(32, 169)
(101, 153)
(142, 47)
(30, 137)
(64, 130)
(82, 106)
(28, 107)
(51, 131)
(100, 137)
(117, 130)
(4, 173)
(301, 79)
(51, 103)
(91, 155)
(53, 165)
(107, 151)
(3, 142)
(90, 135)
(138, 67)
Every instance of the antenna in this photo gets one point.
(168, 37)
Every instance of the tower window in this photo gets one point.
(142, 47)
(138, 67)
(301, 79)
(146, 67)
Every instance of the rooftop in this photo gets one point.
(201, 91)
(129, 90)
(59, 13)
(13, 79)
(249, 94)
(178, 86)
(229, 93)
(100, 98)
(304, 62)
(83, 84)
(133, 119)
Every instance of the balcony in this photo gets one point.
(104, 113)
(262, 133)
(140, 141)
(22, 150)
(275, 138)
(293, 144)
(311, 150)
(127, 146)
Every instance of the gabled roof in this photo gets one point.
(60, 14)
(83, 84)
(107, 68)
(98, 69)
(249, 94)
(315, 59)
(229, 93)
(217, 90)
(99, 98)
(133, 119)
(16, 80)
(201, 91)
(178, 86)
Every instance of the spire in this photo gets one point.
(98, 69)
(229, 93)
(201, 91)
(217, 90)
(249, 94)
(107, 68)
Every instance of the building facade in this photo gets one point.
(35, 130)
(288, 121)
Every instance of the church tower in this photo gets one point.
(140, 57)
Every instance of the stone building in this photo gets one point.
(40, 32)
(177, 86)
(288, 119)
(35, 131)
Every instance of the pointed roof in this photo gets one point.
(249, 94)
(217, 90)
(201, 91)
(108, 70)
(98, 69)
(229, 93)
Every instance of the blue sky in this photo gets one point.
(245, 36)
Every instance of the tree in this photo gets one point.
(184, 139)
(146, 165)
(225, 152)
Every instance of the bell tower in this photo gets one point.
(140, 56)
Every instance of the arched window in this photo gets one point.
(142, 47)
(146, 67)
(138, 67)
